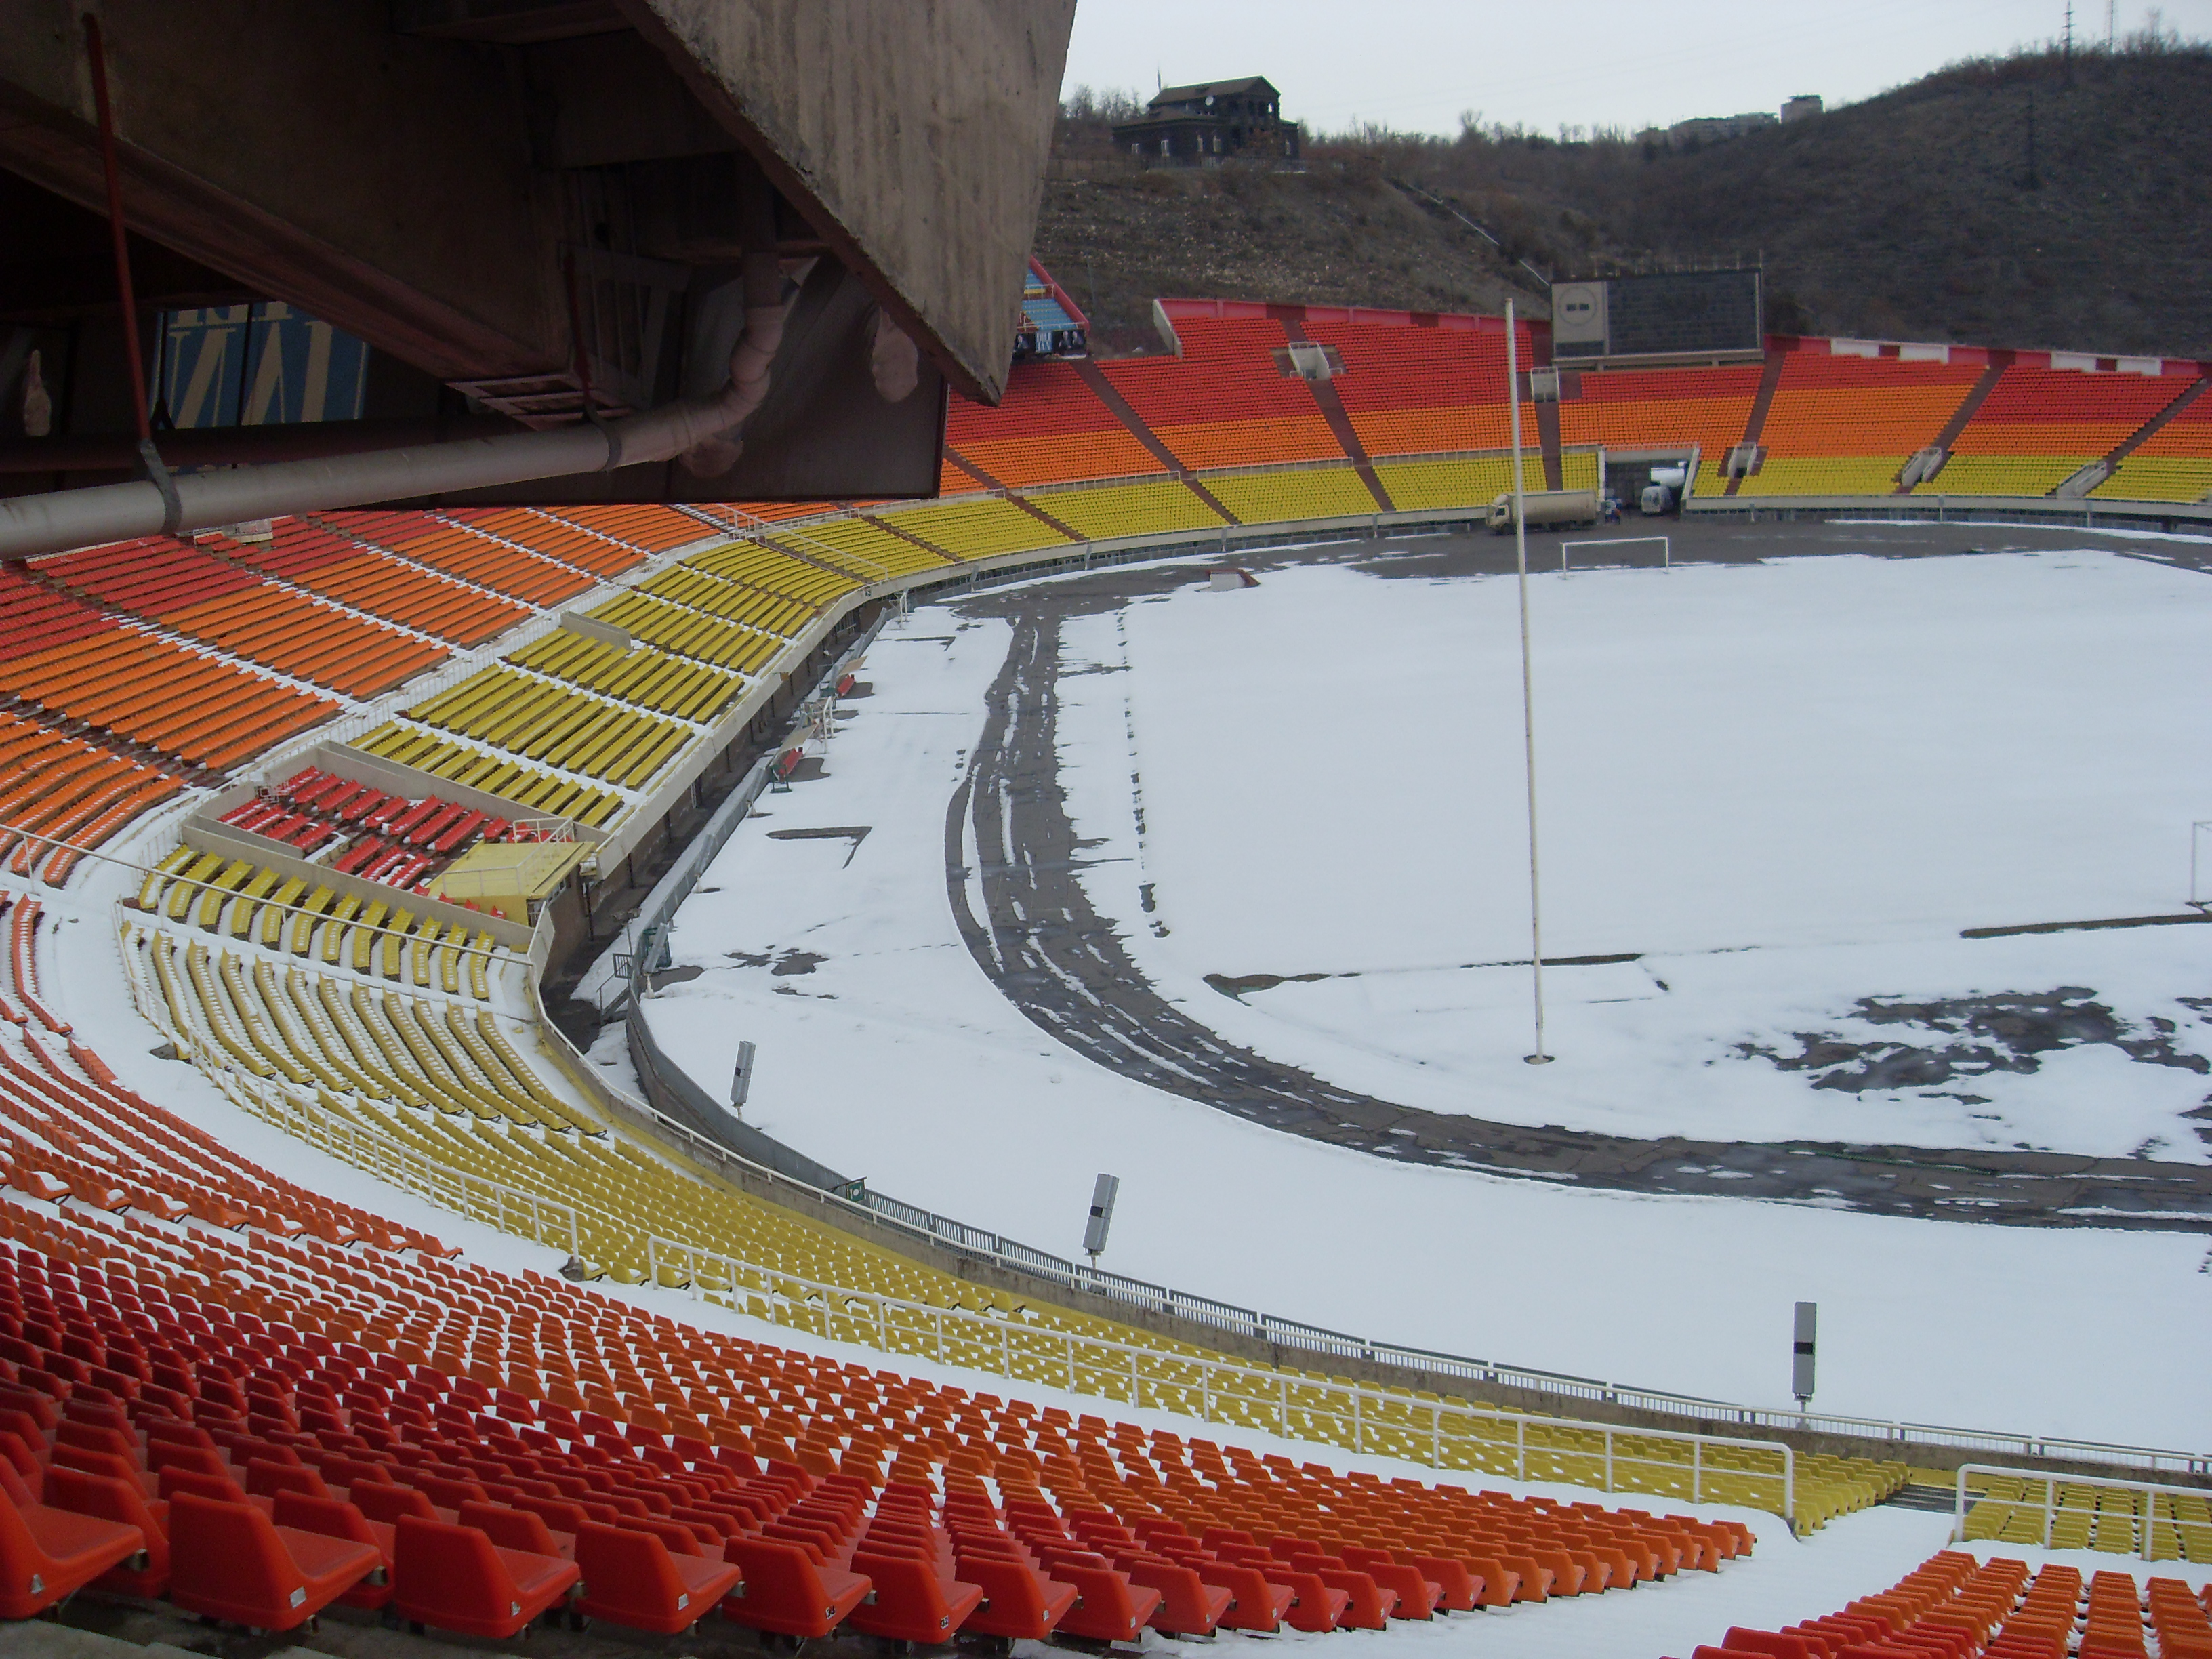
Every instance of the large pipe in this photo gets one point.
(696, 428)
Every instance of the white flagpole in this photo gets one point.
(1527, 703)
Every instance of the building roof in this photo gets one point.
(1198, 90)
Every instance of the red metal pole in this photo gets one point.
(95, 49)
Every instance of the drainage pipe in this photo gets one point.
(699, 429)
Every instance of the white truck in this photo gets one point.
(1548, 509)
(1664, 492)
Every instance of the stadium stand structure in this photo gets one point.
(322, 989)
(1953, 1604)
(178, 1322)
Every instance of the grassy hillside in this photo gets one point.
(1913, 215)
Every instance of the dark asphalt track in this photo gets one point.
(1063, 965)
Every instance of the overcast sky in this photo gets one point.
(1415, 65)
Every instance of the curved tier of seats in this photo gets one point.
(1952, 1604)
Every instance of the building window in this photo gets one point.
(1217, 143)
(1164, 149)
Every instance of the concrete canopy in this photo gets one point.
(509, 197)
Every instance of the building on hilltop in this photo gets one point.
(1205, 125)
(1702, 129)
(1801, 107)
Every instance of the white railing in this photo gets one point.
(1443, 1434)
(2154, 1535)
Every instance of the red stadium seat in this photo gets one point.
(46, 1554)
(230, 1561)
(334, 1518)
(1019, 1602)
(455, 1578)
(146, 1575)
(784, 1589)
(911, 1602)
(631, 1578)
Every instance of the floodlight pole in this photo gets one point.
(1527, 695)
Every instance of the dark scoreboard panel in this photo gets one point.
(1665, 313)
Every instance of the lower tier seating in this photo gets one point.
(250, 1384)
(1952, 1604)
(2162, 1526)
(2141, 477)
(1272, 497)
(2001, 474)
(1856, 475)
(545, 794)
(1129, 509)
(1473, 482)
(60, 798)
(976, 530)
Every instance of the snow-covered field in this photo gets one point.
(1790, 785)
(1786, 788)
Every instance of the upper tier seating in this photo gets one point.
(476, 555)
(1050, 428)
(141, 690)
(1225, 403)
(183, 588)
(33, 618)
(58, 790)
(1664, 408)
(1426, 391)
(352, 572)
(2039, 426)
(557, 538)
(652, 529)
(1845, 426)
(2174, 464)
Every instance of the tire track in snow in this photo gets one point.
(1063, 966)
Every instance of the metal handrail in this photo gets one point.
(2144, 1527)
(1166, 1381)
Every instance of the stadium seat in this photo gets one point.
(109, 1498)
(784, 1589)
(229, 1561)
(631, 1577)
(334, 1518)
(1019, 1602)
(910, 1602)
(47, 1554)
(455, 1578)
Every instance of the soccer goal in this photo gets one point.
(1666, 548)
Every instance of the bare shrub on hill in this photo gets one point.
(1916, 214)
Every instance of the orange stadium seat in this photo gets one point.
(471, 554)
(1049, 428)
(354, 574)
(1225, 402)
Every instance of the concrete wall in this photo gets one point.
(914, 137)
